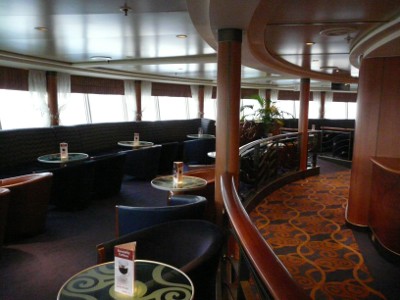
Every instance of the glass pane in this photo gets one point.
(287, 107)
(210, 109)
(313, 109)
(250, 106)
(193, 108)
(74, 110)
(107, 108)
(172, 108)
(149, 109)
(335, 110)
(352, 110)
(17, 110)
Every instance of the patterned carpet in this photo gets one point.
(305, 225)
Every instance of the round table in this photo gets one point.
(201, 136)
(142, 144)
(166, 183)
(153, 280)
(56, 158)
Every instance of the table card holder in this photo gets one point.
(124, 278)
(64, 151)
(200, 132)
(178, 173)
(136, 141)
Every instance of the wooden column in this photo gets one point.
(303, 121)
(376, 132)
(228, 101)
(138, 94)
(201, 101)
(51, 78)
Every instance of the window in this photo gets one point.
(107, 108)
(173, 108)
(17, 110)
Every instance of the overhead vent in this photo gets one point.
(340, 86)
(338, 31)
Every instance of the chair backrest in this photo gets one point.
(29, 199)
(4, 202)
(130, 219)
(195, 151)
(207, 173)
(194, 246)
(143, 163)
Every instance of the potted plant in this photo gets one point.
(268, 116)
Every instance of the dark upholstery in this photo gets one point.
(108, 173)
(207, 173)
(130, 219)
(4, 202)
(29, 199)
(143, 163)
(169, 154)
(194, 246)
(195, 151)
(73, 186)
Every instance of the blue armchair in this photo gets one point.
(130, 219)
(194, 246)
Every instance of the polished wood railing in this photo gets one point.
(269, 277)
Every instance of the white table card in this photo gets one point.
(178, 173)
(64, 151)
(124, 257)
(136, 141)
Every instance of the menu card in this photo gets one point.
(178, 173)
(136, 141)
(64, 151)
(200, 132)
(124, 278)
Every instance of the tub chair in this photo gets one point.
(143, 163)
(195, 151)
(194, 246)
(130, 219)
(4, 201)
(207, 173)
(29, 200)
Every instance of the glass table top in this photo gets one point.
(188, 183)
(130, 144)
(55, 158)
(153, 280)
(201, 136)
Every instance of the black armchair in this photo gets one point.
(195, 151)
(4, 200)
(143, 163)
(194, 246)
(130, 219)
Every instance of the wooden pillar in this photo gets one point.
(228, 95)
(376, 132)
(322, 107)
(51, 78)
(138, 94)
(201, 101)
(303, 121)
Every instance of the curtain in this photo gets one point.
(38, 89)
(129, 99)
(149, 104)
(63, 92)
(194, 89)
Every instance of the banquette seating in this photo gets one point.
(20, 148)
(194, 246)
(4, 201)
(130, 219)
(28, 204)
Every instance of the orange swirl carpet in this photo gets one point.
(305, 225)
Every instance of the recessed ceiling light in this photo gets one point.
(41, 28)
(310, 43)
(181, 36)
(338, 31)
(100, 57)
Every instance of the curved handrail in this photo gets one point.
(269, 268)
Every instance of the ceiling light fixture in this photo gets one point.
(338, 31)
(181, 36)
(100, 58)
(310, 43)
(41, 28)
(125, 9)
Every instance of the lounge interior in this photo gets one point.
(288, 201)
